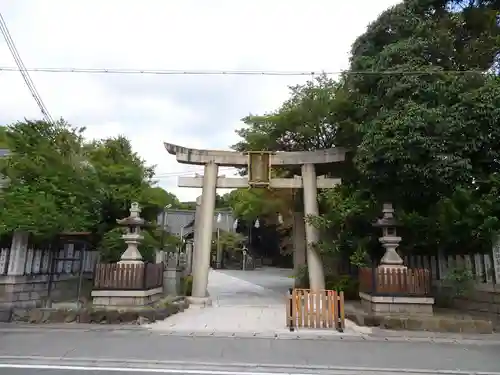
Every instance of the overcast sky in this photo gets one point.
(192, 111)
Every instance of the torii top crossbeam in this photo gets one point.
(234, 159)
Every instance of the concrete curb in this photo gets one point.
(281, 335)
(70, 327)
(326, 337)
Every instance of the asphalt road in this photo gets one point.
(125, 346)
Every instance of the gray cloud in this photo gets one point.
(195, 111)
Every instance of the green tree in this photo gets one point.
(57, 182)
(426, 133)
(124, 178)
(50, 189)
(250, 204)
(314, 117)
(3, 137)
(153, 200)
(230, 241)
(424, 139)
(304, 122)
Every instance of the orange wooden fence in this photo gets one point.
(128, 276)
(323, 309)
(395, 281)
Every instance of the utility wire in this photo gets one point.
(186, 173)
(22, 69)
(239, 72)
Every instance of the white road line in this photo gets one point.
(131, 369)
(330, 371)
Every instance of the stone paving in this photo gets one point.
(240, 308)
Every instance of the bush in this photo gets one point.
(188, 285)
(345, 283)
(302, 278)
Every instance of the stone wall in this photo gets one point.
(92, 314)
(385, 305)
(483, 300)
(126, 298)
(32, 290)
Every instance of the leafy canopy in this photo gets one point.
(57, 182)
(420, 134)
(50, 188)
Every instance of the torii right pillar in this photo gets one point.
(314, 263)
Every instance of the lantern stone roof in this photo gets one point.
(386, 222)
(388, 219)
(134, 219)
(131, 221)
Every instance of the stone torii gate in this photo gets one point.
(259, 165)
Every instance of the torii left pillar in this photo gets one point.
(204, 237)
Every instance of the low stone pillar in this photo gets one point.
(171, 281)
(171, 275)
(182, 261)
(189, 258)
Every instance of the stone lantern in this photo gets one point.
(133, 235)
(389, 240)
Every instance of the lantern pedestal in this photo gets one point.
(132, 254)
(391, 258)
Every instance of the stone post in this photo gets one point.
(495, 251)
(218, 259)
(171, 275)
(205, 227)
(315, 265)
(189, 258)
(18, 253)
(299, 240)
(196, 230)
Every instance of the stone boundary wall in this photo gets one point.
(139, 315)
(435, 323)
(483, 300)
(111, 299)
(32, 290)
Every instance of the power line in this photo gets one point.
(193, 170)
(238, 72)
(22, 68)
(186, 173)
